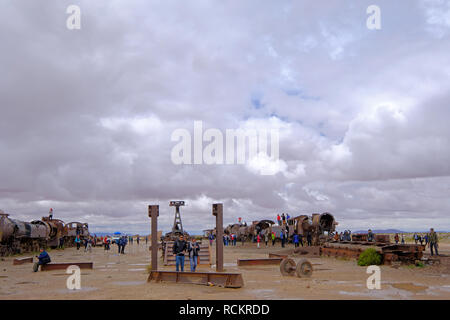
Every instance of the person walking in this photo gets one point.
(403, 239)
(178, 250)
(61, 243)
(282, 238)
(105, 243)
(273, 239)
(427, 238)
(300, 239)
(309, 239)
(416, 238)
(88, 245)
(370, 236)
(119, 244)
(266, 237)
(420, 239)
(78, 242)
(433, 241)
(258, 240)
(193, 249)
(211, 238)
(124, 243)
(396, 238)
(86, 241)
(296, 240)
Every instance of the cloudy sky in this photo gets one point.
(363, 115)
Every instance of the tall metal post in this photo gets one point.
(153, 212)
(217, 211)
(177, 224)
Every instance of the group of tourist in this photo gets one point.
(181, 247)
(282, 219)
(229, 239)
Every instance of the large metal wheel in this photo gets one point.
(304, 269)
(287, 267)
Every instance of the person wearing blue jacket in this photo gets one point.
(78, 242)
(296, 240)
(43, 257)
(119, 244)
(124, 243)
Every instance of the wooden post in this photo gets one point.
(153, 212)
(217, 211)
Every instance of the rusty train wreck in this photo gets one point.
(19, 236)
(321, 227)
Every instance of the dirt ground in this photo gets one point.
(124, 277)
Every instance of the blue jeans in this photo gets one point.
(193, 261)
(180, 262)
(433, 245)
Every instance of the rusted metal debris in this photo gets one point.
(63, 266)
(19, 236)
(276, 255)
(227, 280)
(303, 268)
(405, 253)
(259, 262)
(19, 261)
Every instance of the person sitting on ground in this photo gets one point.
(43, 257)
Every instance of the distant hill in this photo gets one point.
(397, 231)
(381, 231)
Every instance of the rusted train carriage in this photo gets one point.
(18, 236)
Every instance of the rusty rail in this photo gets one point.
(63, 266)
(227, 280)
(259, 262)
(19, 261)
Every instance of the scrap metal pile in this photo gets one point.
(321, 227)
(18, 236)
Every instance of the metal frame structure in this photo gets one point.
(219, 278)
